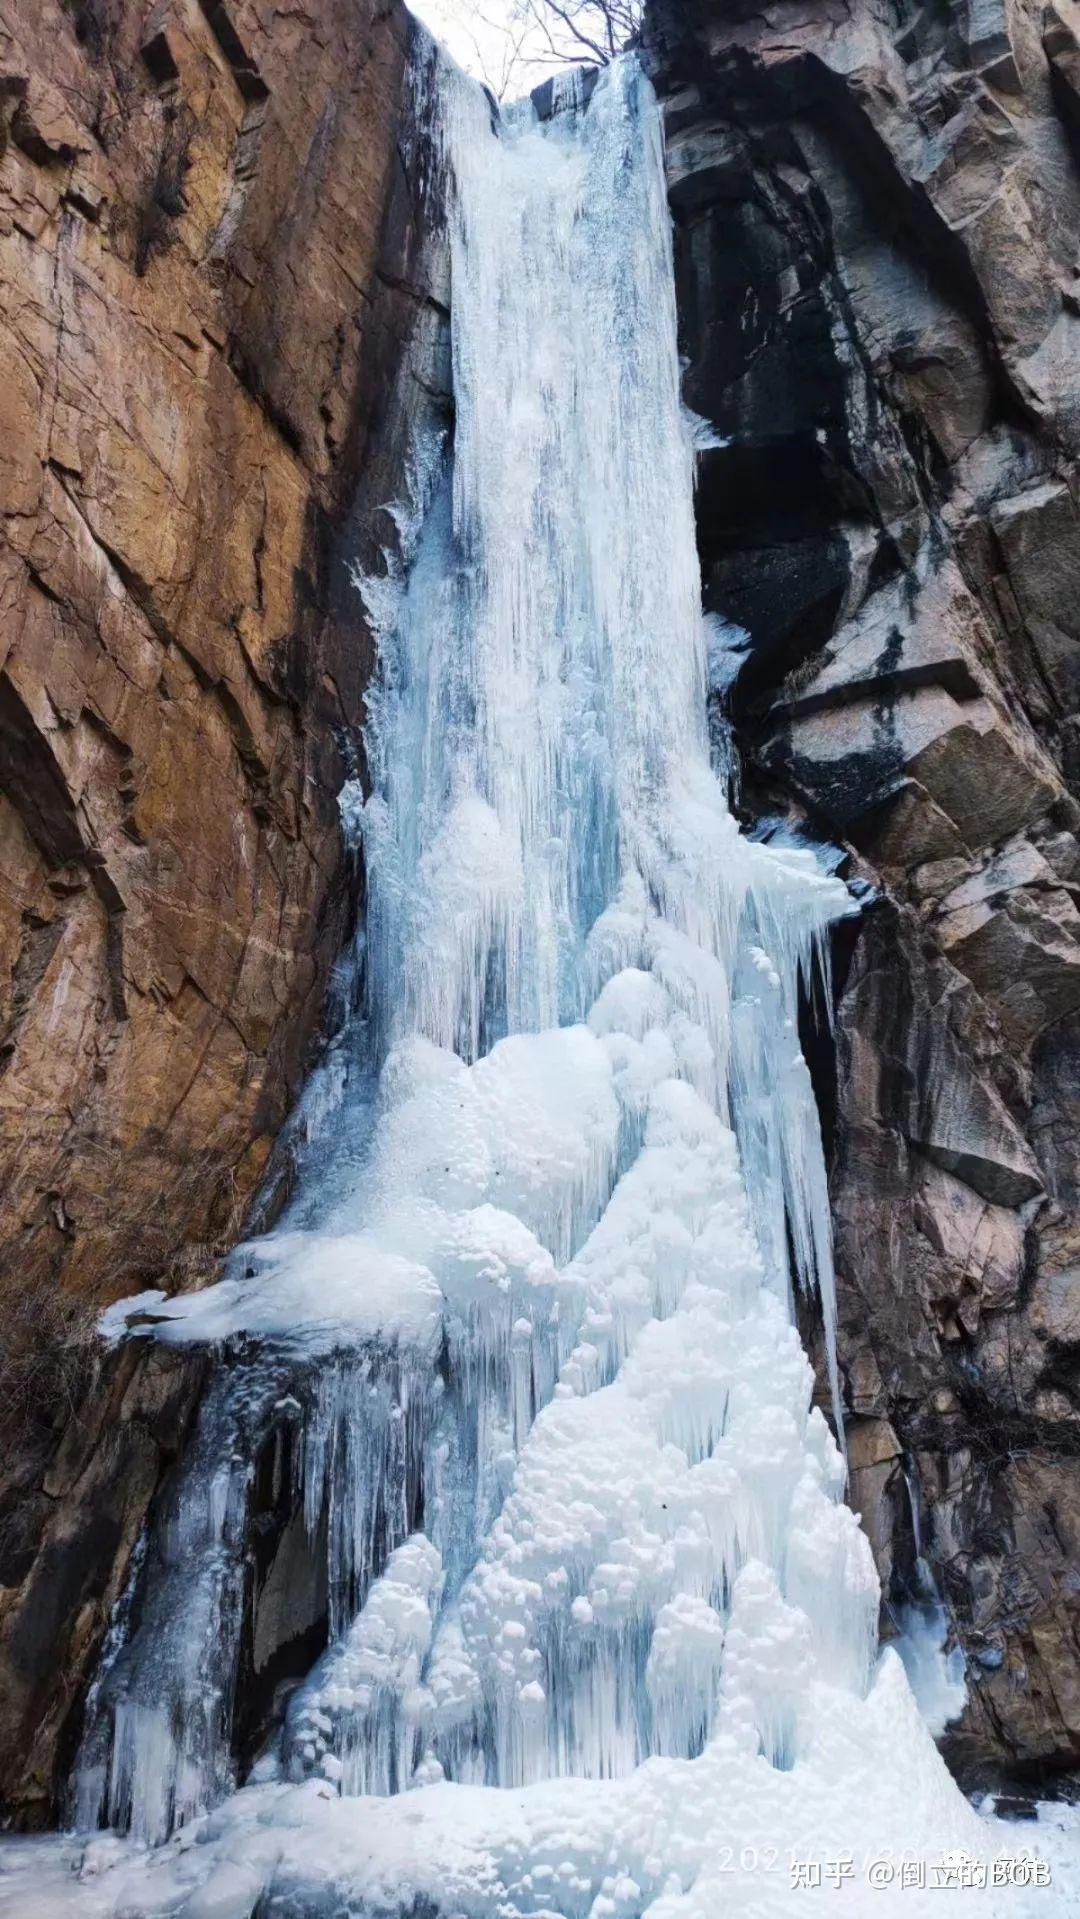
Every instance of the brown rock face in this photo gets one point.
(207, 278)
(877, 213)
(191, 201)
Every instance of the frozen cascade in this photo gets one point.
(527, 1350)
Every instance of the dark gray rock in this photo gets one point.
(877, 219)
(72, 1504)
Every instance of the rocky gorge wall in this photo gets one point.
(208, 278)
(877, 209)
(212, 273)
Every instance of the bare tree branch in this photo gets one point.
(537, 9)
(595, 29)
(512, 43)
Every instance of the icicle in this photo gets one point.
(355, 1718)
(156, 1743)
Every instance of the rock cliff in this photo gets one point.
(877, 212)
(211, 272)
(207, 256)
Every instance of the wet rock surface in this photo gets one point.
(71, 1513)
(877, 218)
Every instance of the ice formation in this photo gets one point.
(602, 1632)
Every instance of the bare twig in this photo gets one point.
(512, 43)
(572, 25)
(597, 29)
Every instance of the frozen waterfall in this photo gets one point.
(601, 1632)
